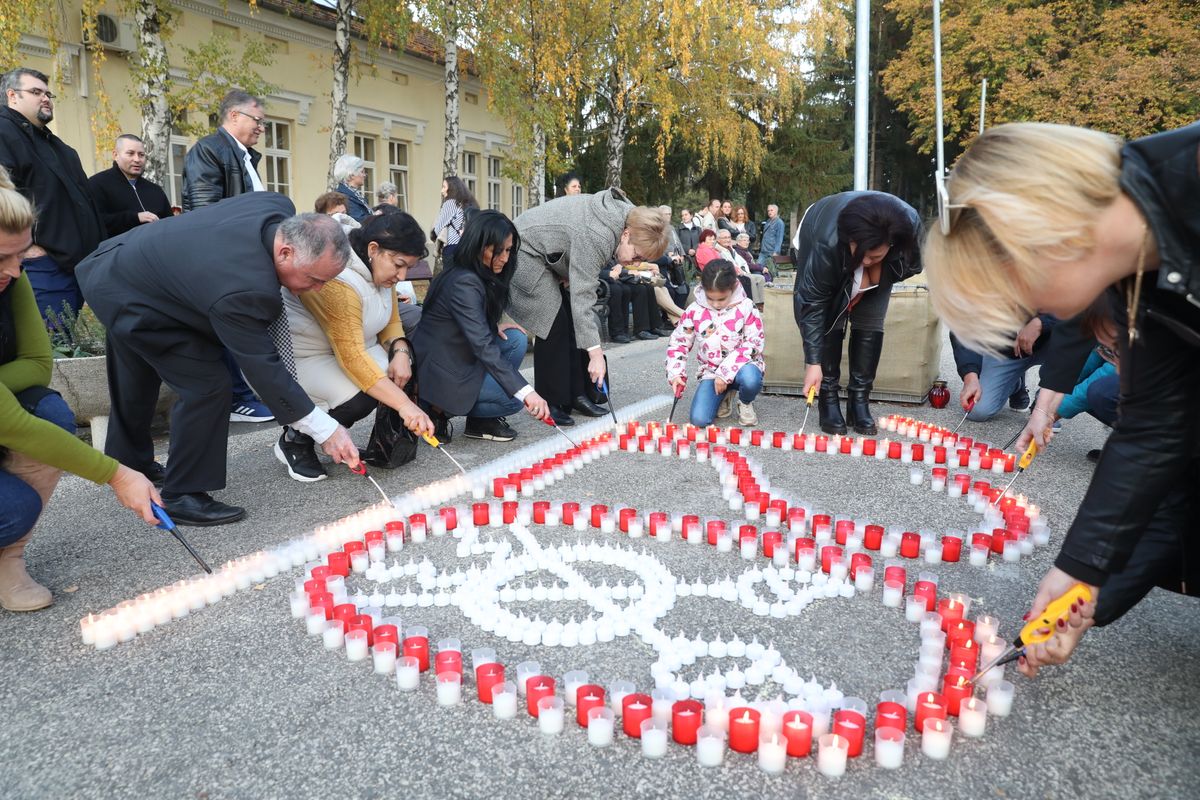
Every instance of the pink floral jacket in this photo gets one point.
(729, 338)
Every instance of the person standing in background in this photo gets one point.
(124, 197)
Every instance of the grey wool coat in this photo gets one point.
(570, 238)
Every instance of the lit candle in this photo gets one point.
(935, 739)
(504, 700)
(889, 747)
(772, 754)
(798, 733)
(930, 705)
(384, 657)
(743, 729)
(636, 708)
(710, 746)
(449, 688)
(356, 645)
(832, 751)
(600, 726)
(685, 721)
(653, 734)
(1000, 698)
(972, 717)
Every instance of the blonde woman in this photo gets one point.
(37, 441)
(1038, 217)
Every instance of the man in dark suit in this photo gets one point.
(173, 295)
(124, 197)
(49, 173)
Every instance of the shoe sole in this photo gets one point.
(248, 418)
(489, 436)
(295, 475)
(19, 608)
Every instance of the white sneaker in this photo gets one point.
(746, 415)
(726, 408)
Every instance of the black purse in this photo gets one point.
(391, 444)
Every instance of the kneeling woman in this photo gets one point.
(467, 361)
(348, 340)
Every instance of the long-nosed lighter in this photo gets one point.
(433, 442)
(361, 469)
(1041, 627)
(812, 392)
(1026, 460)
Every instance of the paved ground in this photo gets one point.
(235, 700)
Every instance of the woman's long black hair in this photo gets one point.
(394, 230)
(456, 190)
(483, 229)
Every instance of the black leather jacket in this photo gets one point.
(213, 170)
(823, 277)
(1155, 449)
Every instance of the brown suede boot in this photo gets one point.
(18, 591)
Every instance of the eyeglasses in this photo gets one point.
(945, 207)
(259, 122)
(38, 93)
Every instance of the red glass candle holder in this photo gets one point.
(743, 729)
(587, 697)
(636, 708)
(853, 727)
(686, 716)
(891, 715)
(873, 537)
(537, 687)
(339, 563)
(487, 678)
(910, 544)
(869, 447)
(797, 733)
(418, 647)
(569, 510)
(951, 548)
(930, 705)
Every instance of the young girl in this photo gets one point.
(731, 346)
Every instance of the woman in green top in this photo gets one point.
(36, 427)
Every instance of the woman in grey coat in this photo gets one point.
(564, 244)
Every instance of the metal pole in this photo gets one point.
(862, 68)
(982, 105)
(937, 83)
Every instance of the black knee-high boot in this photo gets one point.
(830, 404)
(865, 347)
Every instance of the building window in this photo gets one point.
(276, 167)
(175, 156)
(471, 98)
(364, 148)
(470, 172)
(518, 200)
(493, 183)
(398, 171)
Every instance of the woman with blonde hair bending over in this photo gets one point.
(1038, 217)
(37, 429)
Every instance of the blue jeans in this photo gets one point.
(748, 383)
(22, 505)
(52, 285)
(493, 401)
(1102, 396)
(999, 378)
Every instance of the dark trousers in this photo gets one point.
(1102, 396)
(137, 366)
(356, 408)
(559, 366)
(620, 297)
(241, 390)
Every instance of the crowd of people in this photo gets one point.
(1054, 247)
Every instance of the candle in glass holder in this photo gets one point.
(588, 696)
(935, 739)
(1000, 698)
(889, 747)
(653, 734)
(686, 716)
(930, 705)
(550, 715)
(710, 746)
(600, 726)
(356, 645)
(449, 688)
(772, 754)
(384, 657)
(743, 729)
(408, 673)
(852, 726)
(537, 688)
(636, 708)
(893, 593)
(832, 751)
(504, 700)
(798, 732)
(972, 717)
(891, 713)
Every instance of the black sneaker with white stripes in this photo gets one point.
(298, 453)
(495, 428)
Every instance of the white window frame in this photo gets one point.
(360, 139)
(470, 172)
(494, 166)
(272, 156)
(398, 173)
(518, 200)
(174, 182)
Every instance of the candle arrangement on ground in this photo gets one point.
(366, 582)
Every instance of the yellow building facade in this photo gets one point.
(396, 119)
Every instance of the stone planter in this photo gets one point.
(83, 383)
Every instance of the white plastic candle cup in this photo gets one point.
(356, 645)
(936, 638)
(931, 622)
(772, 754)
(893, 593)
(914, 609)
(333, 635)
(383, 657)
(972, 717)
(985, 628)
(864, 579)
(550, 715)
(314, 623)
(525, 671)
(654, 738)
(449, 688)
(481, 656)
(832, 751)
(935, 740)
(572, 680)
(1000, 698)
(408, 673)
(662, 700)
(889, 747)
(617, 693)
(710, 746)
(504, 700)
(916, 476)
(600, 726)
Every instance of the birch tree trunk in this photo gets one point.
(450, 151)
(618, 133)
(339, 97)
(537, 181)
(153, 76)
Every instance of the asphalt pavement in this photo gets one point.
(236, 701)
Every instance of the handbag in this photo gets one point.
(391, 444)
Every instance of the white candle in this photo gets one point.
(449, 688)
(831, 755)
(617, 693)
(999, 699)
(893, 593)
(525, 671)
(864, 579)
(972, 717)
(504, 700)
(550, 715)
(654, 738)
(935, 740)
(600, 726)
(772, 754)
(710, 746)
(356, 645)
(889, 747)
(332, 637)
(914, 609)
(572, 680)
(979, 555)
(384, 658)
(408, 673)
(985, 628)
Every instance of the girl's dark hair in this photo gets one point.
(719, 275)
(457, 191)
(397, 232)
(706, 234)
(871, 221)
(484, 228)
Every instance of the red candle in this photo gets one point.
(372, 537)
(598, 511)
(487, 678)
(853, 726)
(685, 720)
(981, 540)
(345, 612)
(743, 729)
(918, 452)
(955, 688)
(569, 510)
(869, 446)
(587, 697)
(959, 632)
(755, 438)
(540, 507)
(323, 601)
(951, 611)
(777, 439)
(795, 518)
(822, 521)
(985, 462)
(450, 517)
(965, 655)
(821, 447)
(314, 586)
(635, 709)
(930, 705)
(891, 715)
(951, 548)
(362, 622)
(804, 545)
(418, 520)
(660, 524)
(339, 563)
(689, 521)
(357, 546)
(927, 591)
(508, 510)
(939, 455)
(716, 527)
(893, 450)
(498, 485)
(873, 537)
(320, 572)
(842, 529)
(387, 633)
(537, 687)
(829, 554)
(798, 441)
(771, 540)
(480, 514)
(797, 733)
(857, 561)
(999, 537)
(910, 544)
(418, 646)
(895, 573)
(623, 518)
(448, 661)
(844, 445)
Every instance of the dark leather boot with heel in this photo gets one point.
(829, 400)
(865, 348)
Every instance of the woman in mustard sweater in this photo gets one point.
(37, 429)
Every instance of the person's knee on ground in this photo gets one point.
(1102, 398)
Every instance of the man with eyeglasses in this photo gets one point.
(220, 165)
(49, 173)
